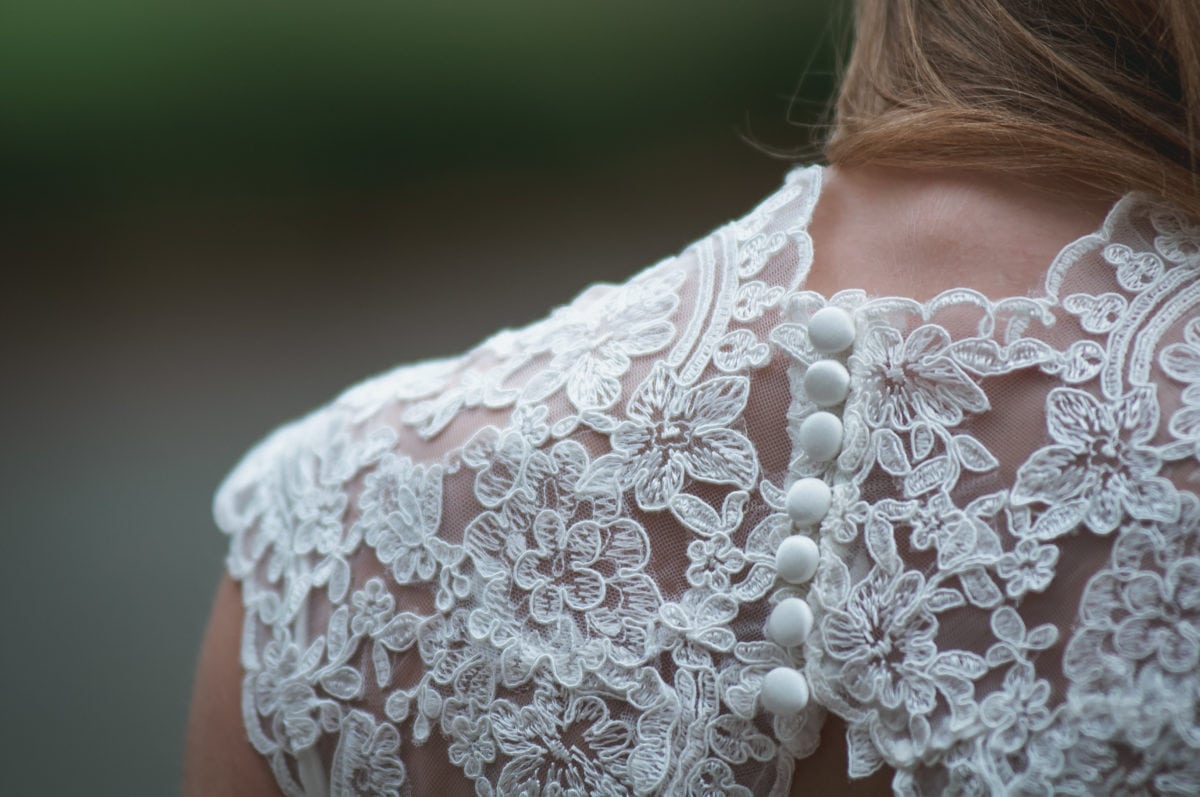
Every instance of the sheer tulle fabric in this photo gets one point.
(544, 566)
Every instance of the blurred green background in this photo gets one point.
(215, 216)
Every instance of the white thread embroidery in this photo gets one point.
(550, 559)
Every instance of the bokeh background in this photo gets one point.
(215, 216)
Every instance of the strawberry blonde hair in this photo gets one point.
(1106, 92)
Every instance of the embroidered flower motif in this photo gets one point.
(576, 595)
(890, 673)
(316, 510)
(884, 636)
(367, 760)
(1133, 737)
(1101, 464)
(472, 744)
(958, 537)
(905, 380)
(713, 778)
(595, 338)
(445, 645)
(282, 690)
(713, 561)
(518, 482)
(1144, 610)
(847, 515)
(1165, 618)
(675, 431)
(401, 506)
(562, 744)
(559, 572)
(1182, 362)
(562, 583)
(1029, 567)
(961, 771)
(1178, 238)
(1016, 709)
(373, 607)
(696, 626)
(1136, 271)
(530, 421)
(498, 457)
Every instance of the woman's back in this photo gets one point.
(549, 563)
(917, 234)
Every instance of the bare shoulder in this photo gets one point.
(218, 759)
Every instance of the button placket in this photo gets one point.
(796, 559)
(831, 330)
(827, 383)
(821, 436)
(790, 622)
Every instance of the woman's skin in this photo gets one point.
(893, 232)
(218, 760)
(898, 232)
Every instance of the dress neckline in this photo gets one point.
(1045, 294)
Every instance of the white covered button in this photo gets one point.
(796, 559)
(831, 329)
(826, 382)
(808, 500)
(821, 435)
(784, 691)
(790, 622)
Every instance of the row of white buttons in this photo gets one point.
(827, 382)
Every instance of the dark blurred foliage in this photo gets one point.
(127, 98)
(214, 216)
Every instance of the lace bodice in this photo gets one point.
(546, 566)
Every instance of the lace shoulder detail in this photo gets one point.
(542, 566)
(555, 564)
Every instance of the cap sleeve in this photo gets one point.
(542, 564)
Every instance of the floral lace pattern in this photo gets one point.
(543, 567)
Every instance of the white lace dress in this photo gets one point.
(552, 565)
